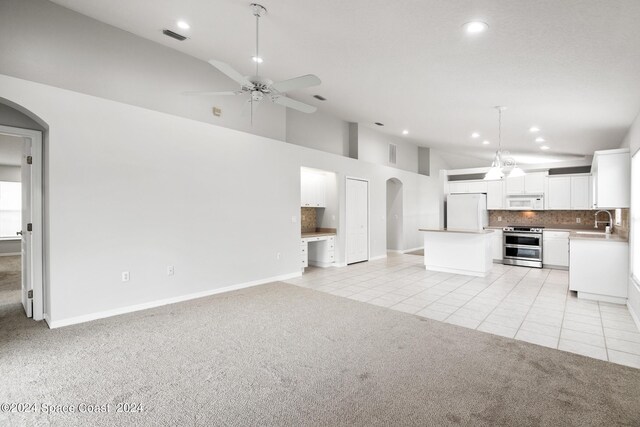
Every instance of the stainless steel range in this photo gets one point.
(522, 246)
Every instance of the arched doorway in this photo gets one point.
(23, 220)
(395, 240)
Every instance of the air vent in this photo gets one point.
(320, 98)
(393, 148)
(173, 35)
(379, 124)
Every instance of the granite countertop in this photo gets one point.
(599, 237)
(445, 230)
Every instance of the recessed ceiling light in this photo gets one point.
(405, 132)
(485, 142)
(475, 27)
(475, 135)
(183, 25)
(534, 129)
(257, 59)
(379, 124)
(544, 147)
(320, 97)
(539, 139)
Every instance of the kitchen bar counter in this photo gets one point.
(318, 234)
(459, 252)
(446, 230)
(598, 237)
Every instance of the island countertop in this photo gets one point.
(445, 230)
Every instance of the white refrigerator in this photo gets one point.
(467, 212)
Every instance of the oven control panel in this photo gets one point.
(523, 229)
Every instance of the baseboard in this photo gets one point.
(377, 257)
(634, 315)
(11, 254)
(166, 301)
(412, 250)
(395, 251)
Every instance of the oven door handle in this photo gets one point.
(538, 235)
(510, 245)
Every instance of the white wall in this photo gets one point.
(155, 189)
(47, 43)
(318, 130)
(373, 146)
(632, 141)
(395, 238)
(10, 173)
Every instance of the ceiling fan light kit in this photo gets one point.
(502, 160)
(258, 88)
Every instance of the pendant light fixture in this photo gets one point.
(502, 161)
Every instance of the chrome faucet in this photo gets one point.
(600, 222)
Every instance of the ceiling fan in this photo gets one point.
(259, 87)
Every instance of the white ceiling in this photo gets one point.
(10, 150)
(571, 67)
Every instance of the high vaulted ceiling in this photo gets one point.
(570, 67)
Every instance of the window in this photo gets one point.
(635, 217)
(10, 208)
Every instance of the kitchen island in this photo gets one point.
(458, 251)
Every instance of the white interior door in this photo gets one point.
(357, 209)
(26, 251)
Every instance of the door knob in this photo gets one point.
(18, 233)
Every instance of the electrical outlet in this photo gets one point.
(294, 219)
(170, 270)
(125, 276)
(278, 255)
(333, 217)
(578, 220)
(499, 219)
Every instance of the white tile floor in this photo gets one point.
(527, 304)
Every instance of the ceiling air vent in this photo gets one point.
(319, 97)
(173, 35)
(393, 149)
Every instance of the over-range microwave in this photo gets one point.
(525, 203)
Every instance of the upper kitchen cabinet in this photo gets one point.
(463, 187)
(495, 194)
(611, 178)
(313, 189)
(558, 194)
(531, 183)
(568, 192)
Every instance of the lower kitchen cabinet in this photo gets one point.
(318, 251)
(599, 269)
(555, 249)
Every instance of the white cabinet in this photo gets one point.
(477, 187)
(496, 245)
(599, 269)
(514, 185)
(495, 194)
(555, 248)
(531, 183)
(581, 192)
(318, 251)
(611, 174)
(458, 187)
(558, 194)
(568, 192)
(312, 189)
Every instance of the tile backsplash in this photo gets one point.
(549, 218)
(308, 219)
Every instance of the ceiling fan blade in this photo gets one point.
(210, 93)
(292, 103)
(296, 83)
(226, 69)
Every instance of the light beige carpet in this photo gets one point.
(283, 355)
(10, 277)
